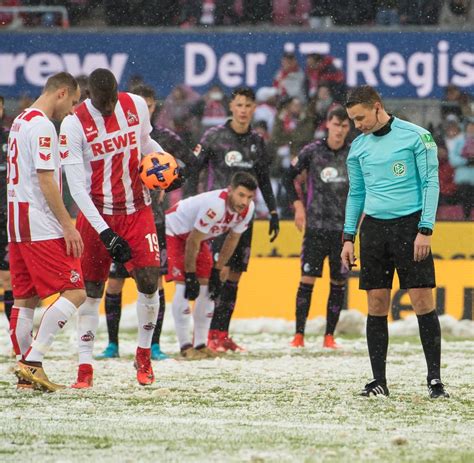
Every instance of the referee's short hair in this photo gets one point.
(244, 179)
(364, 95)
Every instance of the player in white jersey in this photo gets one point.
(190, 226)
(44, 245)
(101, 146)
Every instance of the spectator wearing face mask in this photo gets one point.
(211, 109)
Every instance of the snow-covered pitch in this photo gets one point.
(272, 404)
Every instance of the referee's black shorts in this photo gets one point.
(386, 245)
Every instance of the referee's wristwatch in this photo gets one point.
(348, 237)
(425, 231)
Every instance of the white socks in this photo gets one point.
(203, 311)
(54, 318)
(21, 327)
(182, 316)
(148, 306)
(87, 323)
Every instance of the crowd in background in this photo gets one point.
(292, 112)
(189, 13)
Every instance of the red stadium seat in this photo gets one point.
(450, 213)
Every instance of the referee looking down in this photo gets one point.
(393, 179)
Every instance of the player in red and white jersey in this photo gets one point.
(190, 226)
(100, 147)
(44, 245)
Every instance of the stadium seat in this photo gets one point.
(450, 213)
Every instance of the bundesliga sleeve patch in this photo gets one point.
(428, 140)
(45, 142)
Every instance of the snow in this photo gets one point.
(271, 404)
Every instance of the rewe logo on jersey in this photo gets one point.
(45, 142)
(109, 145)
(45, 157)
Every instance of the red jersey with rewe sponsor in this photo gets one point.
(208, 213)
(32, 145)
(110, 148)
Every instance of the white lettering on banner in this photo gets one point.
(231, 69)
(363, 64)
(39, 66)
(463, 63)
(392, 68)
(420, 72)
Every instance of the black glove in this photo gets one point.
(118, 248)
(191, 286)
(215, 283)
(274, 226)
(178, 182)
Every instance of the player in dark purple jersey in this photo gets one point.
(322, 219)
(173, 144)
(223, 151)
(4, 266)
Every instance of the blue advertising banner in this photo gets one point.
(399, 64)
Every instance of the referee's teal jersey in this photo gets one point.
(393, 175)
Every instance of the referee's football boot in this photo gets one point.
(436, 389)
(374, 388)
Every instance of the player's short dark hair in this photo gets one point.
(364, 94)
(102, 82)
(339, 112)
(59, 80)
(145, 91)
(244, 91)
(244, 179)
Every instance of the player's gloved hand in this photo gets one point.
(191, 286)
(215, 283)
(118, 248)
(274, 226)
(178, 181)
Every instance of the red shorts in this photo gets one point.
(137, 229)
(175, 247)
(42, 268)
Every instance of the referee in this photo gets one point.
(393, 179)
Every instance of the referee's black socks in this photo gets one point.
(303, 303)
(430, 335)
(377, 342)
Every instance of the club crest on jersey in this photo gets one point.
(45, 142)
(211, 213)
(331, 175)
(399, 169)
(74, 277)
(235, 159)
(131, 118)
(88, 337)
(197, 150)
(253, 148)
